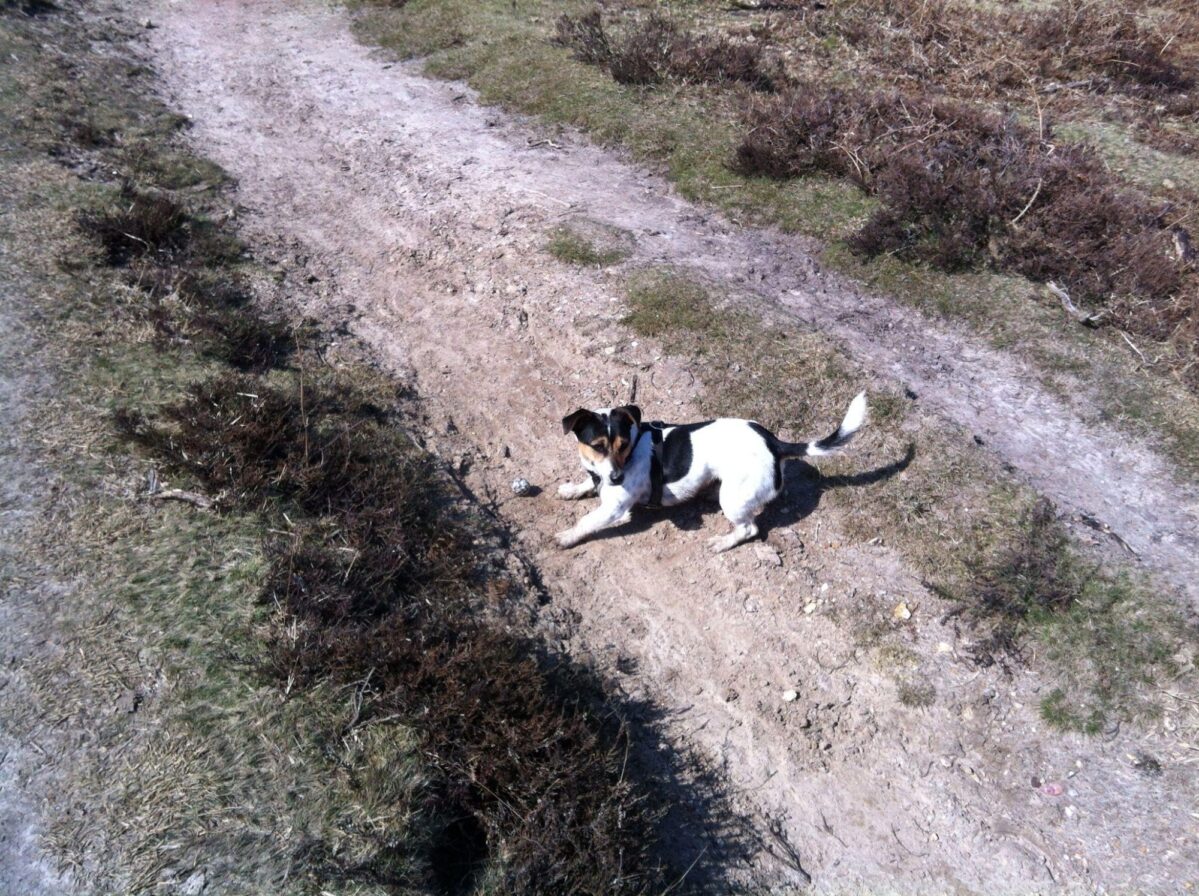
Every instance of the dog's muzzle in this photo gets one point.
(616, 477)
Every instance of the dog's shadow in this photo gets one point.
(803, 486)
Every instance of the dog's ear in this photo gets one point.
(573, 421)
(632, 410)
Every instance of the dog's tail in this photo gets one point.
(854, 418)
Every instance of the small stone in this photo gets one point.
(195, 884)
(809, 607)
(790, 696)
(901, 612)
(768, 555)
(610, 350)
(521, 487)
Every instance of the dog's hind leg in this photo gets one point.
(741, 503)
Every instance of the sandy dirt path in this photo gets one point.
(398, 207)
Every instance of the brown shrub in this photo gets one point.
(655, 49)
(1078, 37)
(245, 340)
(1033, 575)
(960, 187)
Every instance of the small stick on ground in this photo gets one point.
(177, 494)
(790, 853)
(1087, 320)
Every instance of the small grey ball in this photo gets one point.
(520, 486)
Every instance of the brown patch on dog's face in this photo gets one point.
(620, 426)
(604, 437)
(594, 451)
(621, 449)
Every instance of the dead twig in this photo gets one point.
(1087, 320)
(177, 494)
(1091, 522)
(1027, 205)
(1132, 345)
(790, 854)
(895, 834)
(827, 828)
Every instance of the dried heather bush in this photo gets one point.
(585, 36)
(655, 49)
(245, 340)
(1078, 37)
(1035, 573)
(960, 187)
(142, 223)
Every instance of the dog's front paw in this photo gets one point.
(721, 543)
(567, 538)
(568, 491)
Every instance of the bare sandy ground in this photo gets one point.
(400, 208)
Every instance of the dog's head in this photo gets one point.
(606, 438)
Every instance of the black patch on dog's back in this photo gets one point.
(772, 443)
(676, 450)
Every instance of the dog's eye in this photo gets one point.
(600, 446)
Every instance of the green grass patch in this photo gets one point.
(669, 306)
(571, 246)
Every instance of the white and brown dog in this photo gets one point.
(662, 464)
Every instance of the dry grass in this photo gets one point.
(595, 249)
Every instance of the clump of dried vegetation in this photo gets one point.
(1108, 649)
(657, 49)
(963, 188)
(1032, 574)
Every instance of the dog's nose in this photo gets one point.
(616, 477)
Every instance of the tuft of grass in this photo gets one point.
(143, 223)
(1107, 640)
(917, 694)
(662, 303)
(1032, 576)
(573, 247)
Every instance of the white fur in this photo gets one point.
(728, 451)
